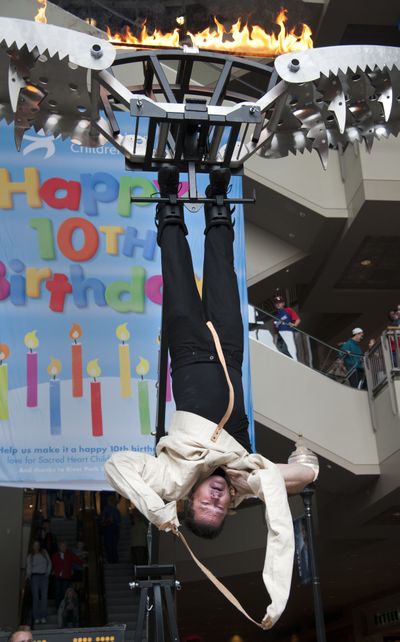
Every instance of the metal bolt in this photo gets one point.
(96, 51)
(178, 585)
(294, 65)
(139, 104)
(252, 110)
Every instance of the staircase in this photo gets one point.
(121, 602)
(65, 530)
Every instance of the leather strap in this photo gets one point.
(221, 357)
(225, 592)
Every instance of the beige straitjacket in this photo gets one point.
(189, 454)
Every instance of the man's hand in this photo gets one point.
(238, 479)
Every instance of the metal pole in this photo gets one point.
(307, 496)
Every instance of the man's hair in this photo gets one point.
(207, 531)
(22, 627)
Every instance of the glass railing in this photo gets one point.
(343, 367)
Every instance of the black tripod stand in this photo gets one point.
(155, 582)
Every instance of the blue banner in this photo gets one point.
(80, 306)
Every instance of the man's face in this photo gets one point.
(22, 636)
(358, 337)
(210, 501)
(279, 305)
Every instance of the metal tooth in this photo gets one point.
(29, 99)
(319, 136)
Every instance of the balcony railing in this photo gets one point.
(304, 348)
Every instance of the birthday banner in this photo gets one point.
(80, 309)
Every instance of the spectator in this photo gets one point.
(286, 322)
(47, 539)
(63, 562)
(77, 570)
(394, 323)
(139, 530)
(38, 567)
(111, 520)
(68, 611)
(353, 358)
(22, 634)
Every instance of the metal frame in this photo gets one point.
(63, 82)
(154, 592)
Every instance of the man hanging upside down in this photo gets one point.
(206, 459)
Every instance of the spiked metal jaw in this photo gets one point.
(60, 81)
(44, 76)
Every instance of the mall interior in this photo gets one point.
(326, 241)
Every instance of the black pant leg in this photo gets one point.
(183, 309)
(221, 293)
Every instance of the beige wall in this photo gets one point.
(334, 419)
(267, 254)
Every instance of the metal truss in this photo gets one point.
(63, 82)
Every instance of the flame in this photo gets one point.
(41, 13)
(93, 369)
(240, 39)
(157, 38)
(75, 332)
(122, 332)
(54, 367)
(143, 367)
(31, 341)
(4, 352)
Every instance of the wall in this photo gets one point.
(334, 419)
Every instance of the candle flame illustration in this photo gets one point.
(143, 367)
(4, 351)
(93, 369)
(31, 341)
(54, 367)
(76, 331)
(122, 332)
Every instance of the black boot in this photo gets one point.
(218, 213)
(170, 213)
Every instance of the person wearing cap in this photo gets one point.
(353, 357)
(286, 322)
(206, 457)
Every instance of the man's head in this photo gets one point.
(208, 506)
(22, 634)
(279, 302)
(62, 547)
(357, 334)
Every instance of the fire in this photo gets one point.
(41, 14)
(240, 39)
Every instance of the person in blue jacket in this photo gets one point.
(354, 358)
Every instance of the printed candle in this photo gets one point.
(4, 353)
(93, 369)
(31, 341)
(123, 335)
(54, 369)
(76, 357)
(143, 397)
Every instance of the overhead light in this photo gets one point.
(366, 262)
(287, 270)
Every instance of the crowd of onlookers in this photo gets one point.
(348, 364)
(55, 570)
